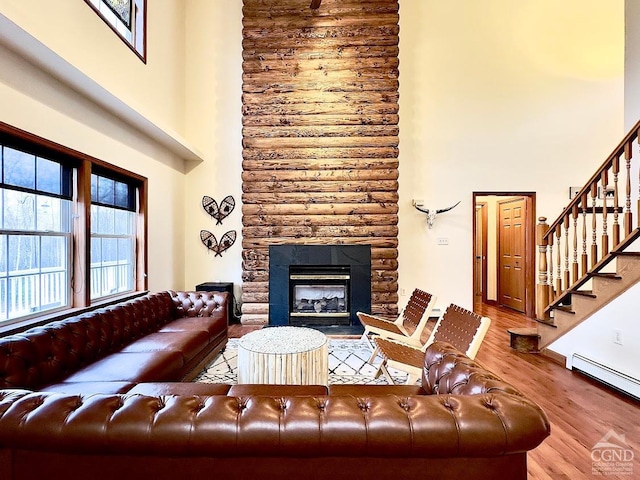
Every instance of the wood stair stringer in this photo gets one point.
(605, 289)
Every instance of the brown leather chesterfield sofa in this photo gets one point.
(462, 423)
(166, 336)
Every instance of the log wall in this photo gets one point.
(320, 137)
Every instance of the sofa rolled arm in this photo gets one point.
(200, 304)
(448, 371)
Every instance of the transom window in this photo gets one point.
(72, 229)
(127, 18)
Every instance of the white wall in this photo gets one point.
(499, 96)
(594, 338)
(632, 64)
(75, 32)
(214, 123)
(34, 101)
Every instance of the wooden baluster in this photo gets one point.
(559, 259)
(627, 212)
(594, 224)
(552, 292)
(638, 201)
(615, 228)
(605, 235)
(585, 257)
(542, 289)
(574, 265)
(567, 280)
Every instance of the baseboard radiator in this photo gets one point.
(605, 374)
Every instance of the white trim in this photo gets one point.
(606, 374)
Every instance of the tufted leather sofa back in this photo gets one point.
(298, 426)
(47, 354)
(196, 304)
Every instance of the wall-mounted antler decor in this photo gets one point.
(218, 212)
(210, 241)
(432, 214)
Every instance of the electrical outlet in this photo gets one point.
(443, 241)
(617, 337)
(402, 292)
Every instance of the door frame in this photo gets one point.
(483, 253)
(530, 244)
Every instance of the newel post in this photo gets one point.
(543, 287)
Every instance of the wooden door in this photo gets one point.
(511, 249)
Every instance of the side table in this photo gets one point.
(285, 356)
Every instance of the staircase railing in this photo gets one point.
(597, 223)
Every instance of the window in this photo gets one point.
(35, 234)
(113, 236)
(72, 229)
(127, 18)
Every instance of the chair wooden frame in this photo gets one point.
(407, 328)
(462, 328)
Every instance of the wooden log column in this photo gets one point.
(320, 137)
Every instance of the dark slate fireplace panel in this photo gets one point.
(283, 259)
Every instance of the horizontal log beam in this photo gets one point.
(285, 20)
(250, 210)
(319, 65)
(320, 175)
(306, 198)
(316, 220)
(312, 107)
(338, 85)
(282, 35)
(262, 255)
(303, 231)
(326, 187)
(320, 164)
(311, 51)
(320, 153)
(260, 319)
(319, 120)
(373, 241)
(255, 287)
(321, 131)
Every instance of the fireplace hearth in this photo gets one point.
(320, 286)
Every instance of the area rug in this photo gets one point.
(347, 364)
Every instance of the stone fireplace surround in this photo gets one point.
(356, 257)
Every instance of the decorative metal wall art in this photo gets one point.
(218, 212)
(210, 241)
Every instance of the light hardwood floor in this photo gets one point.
(580, 410)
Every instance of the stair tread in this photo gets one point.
(564, 308)
(584, 293)
(606, 275)
(548, 323)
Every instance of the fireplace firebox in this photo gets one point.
(319, 285)
(319, 295)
